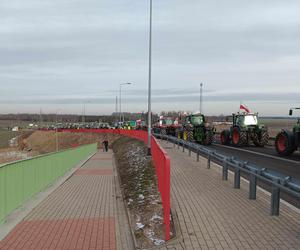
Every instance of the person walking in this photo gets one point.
(105, 145)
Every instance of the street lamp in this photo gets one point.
(200, 103)
(83, 115)
(120, 100)
(149, 82)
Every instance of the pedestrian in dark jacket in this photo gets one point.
(105, 145)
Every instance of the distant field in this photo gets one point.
(5, 136)
(4, 124)
(275, 125)
(282, 123)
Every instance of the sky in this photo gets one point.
(62, 55)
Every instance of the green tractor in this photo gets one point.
(194, 129)
(245, 128)
(287, 141)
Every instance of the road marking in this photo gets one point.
(257, 153)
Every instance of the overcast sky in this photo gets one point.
(63, 53)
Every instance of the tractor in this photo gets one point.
(166, 126)
(141, 125)
(195, 129)
(245, 128)
(287, 141)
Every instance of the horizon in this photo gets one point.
(245, 52)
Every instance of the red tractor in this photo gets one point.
(167, 126)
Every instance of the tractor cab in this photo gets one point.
(167, 121)
(296, 129)
(244, 120)
(195, 120)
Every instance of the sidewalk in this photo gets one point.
(214, 215)
(87, 212)
(83, 213)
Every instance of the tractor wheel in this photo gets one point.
(285, 143)
(225, 137)
(239, 138)
(260, 140)
(163, 131)
(156, 130)
(209, 136)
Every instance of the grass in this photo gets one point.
(5, 136)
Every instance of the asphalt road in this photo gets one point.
(268, 158)
(264, 157)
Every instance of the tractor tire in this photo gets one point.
(225, 137)
(285, 143)
(163, 131)
(239, 138)
(156, 130)
(209, 136)
(262, 139)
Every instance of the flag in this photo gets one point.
(244, 108)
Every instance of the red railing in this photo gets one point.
(161, 162)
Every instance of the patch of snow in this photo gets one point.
(158, 242)
(14, 154)
(139, 226)
(13, 142)
(156, 217)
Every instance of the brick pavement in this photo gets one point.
(79, 214)
(213, 215)
(87, 212)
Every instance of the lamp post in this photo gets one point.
(200, 103)
(83, 113)
(120, 100)
(149, 82)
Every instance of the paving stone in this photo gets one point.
(79, 214)
(223, 215)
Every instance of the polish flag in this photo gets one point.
(244, 108)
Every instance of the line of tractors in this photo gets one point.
(245, 129)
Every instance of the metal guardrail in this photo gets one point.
(277, 181)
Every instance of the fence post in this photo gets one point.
(225, 170)
(198, 155)
(182, 147)
(190, 150)
(275, 200)
(252, 185)
(208, 161)
(237, 178)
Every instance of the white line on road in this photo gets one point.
(257, 153)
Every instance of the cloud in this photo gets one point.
(66, 52)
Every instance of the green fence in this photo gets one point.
(22, 179)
